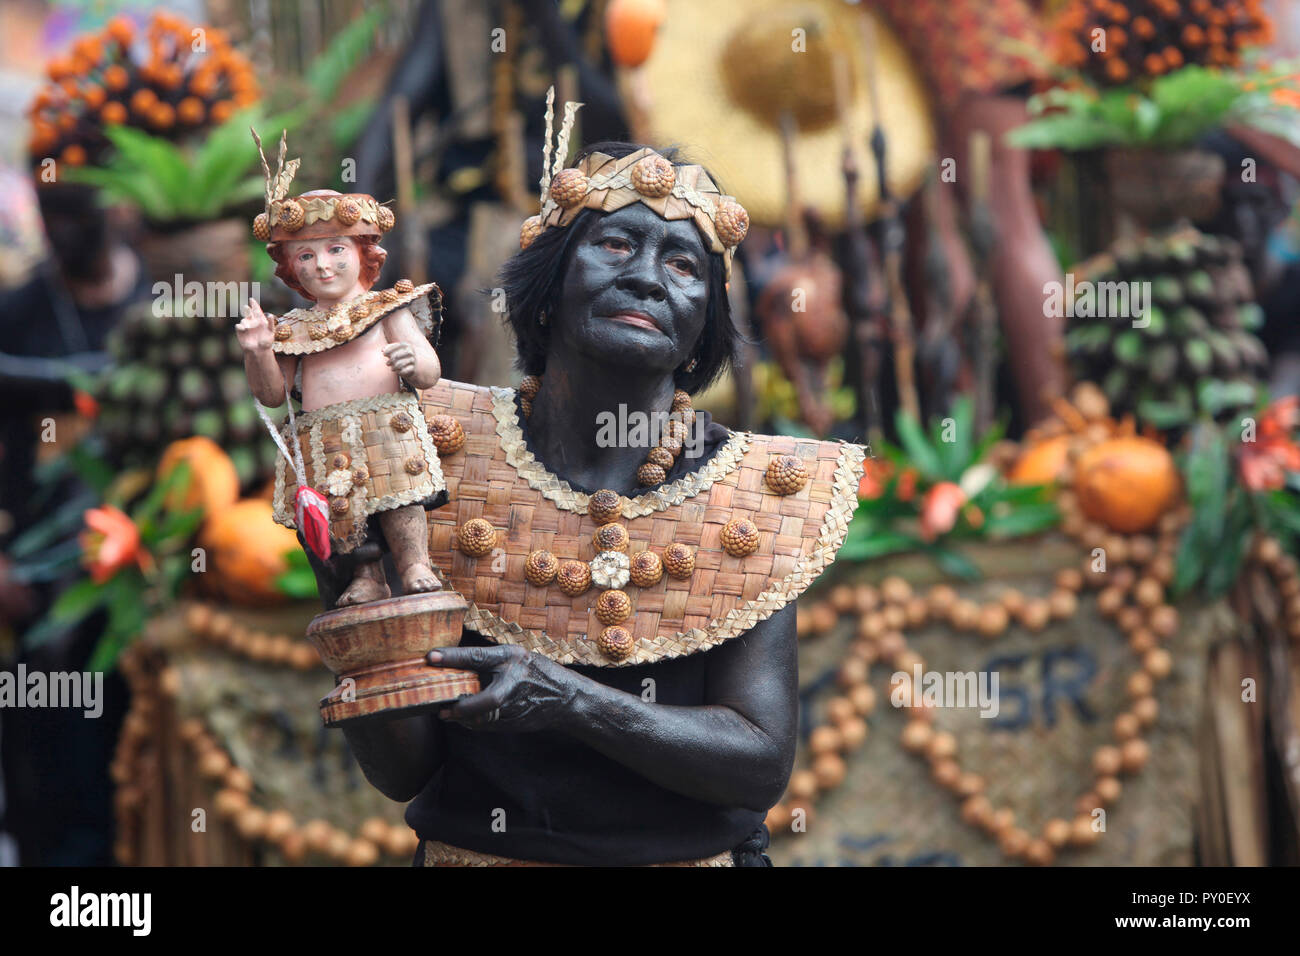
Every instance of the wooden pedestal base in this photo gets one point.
(377, 652)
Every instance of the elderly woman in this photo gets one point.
(631, 593)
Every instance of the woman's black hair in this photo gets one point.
(533, 278)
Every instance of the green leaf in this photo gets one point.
(65, 520)
(347, 124)
(953, 563)
(1226, 557)
(878, 546)
(1207, 470)
(328, 70)
(127, 615)
(1189, 565)
(916, 446)
(1146, 118)
(1024, 520)
(955, 456)
(69, 608)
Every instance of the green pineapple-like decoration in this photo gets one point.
(1197, 354)
(175, 376)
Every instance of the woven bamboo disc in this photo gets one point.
(721, 73)
(496, 478)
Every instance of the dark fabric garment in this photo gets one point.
(566, 803)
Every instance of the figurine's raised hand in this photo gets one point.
(254, 330)
(401, 358)
(527, 691)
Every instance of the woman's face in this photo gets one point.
(327, 268)
(635, 291)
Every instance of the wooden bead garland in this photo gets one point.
(880, 639)
(156, 685)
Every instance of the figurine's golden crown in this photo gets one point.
(605, 183)
(317, 214)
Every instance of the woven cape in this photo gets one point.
(495, 477)
(303, 331)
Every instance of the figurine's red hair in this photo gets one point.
(371, 254)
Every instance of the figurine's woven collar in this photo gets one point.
(303, 331)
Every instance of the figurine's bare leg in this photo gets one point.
(407, 531)
(368, 584)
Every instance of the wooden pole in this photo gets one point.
(413, 248)
(892, 241)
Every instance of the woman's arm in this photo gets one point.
(736, 749)
(398, 756)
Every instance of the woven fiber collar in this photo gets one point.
(303, 331)
(494, 477)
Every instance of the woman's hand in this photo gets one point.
(527, 691)
(254, 330)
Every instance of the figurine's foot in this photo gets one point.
(420, 577)
(363, 591)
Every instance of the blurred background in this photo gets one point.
(1043, 256)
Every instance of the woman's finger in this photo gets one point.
(470, 658)
(477, 706)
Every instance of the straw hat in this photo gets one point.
(721, 74)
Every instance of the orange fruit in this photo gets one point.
(246, 552)
(1126, 483)
(1041, 463)
(214, 483)
(630, 28)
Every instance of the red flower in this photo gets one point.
(1264, 462)
(874, 476)
(939, 509)
(907, 484)
(110, 542)
(85, 404)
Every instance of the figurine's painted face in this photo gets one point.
(327, 268)
(635, 291)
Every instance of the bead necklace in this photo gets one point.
(659, 462)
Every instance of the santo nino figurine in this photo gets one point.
(363, 450)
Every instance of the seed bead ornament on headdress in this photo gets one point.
(604, 183)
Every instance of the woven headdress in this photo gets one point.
(604, 183)
(313, 215)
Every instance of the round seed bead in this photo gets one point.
(740, 537)
(541, 568)
(650, 474)
(613, 607)
(611, 537)
(605, 506)
(646, 569)
(615, 642)
(476, 537)
(786, 475)
(679, 560)
(574, 577)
